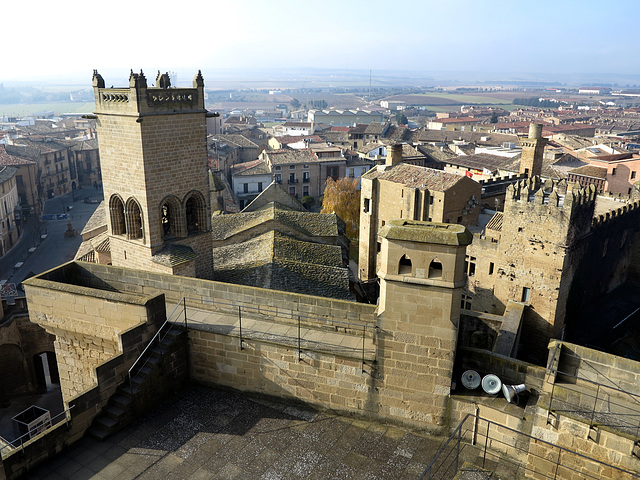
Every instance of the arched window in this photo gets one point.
(435, 269)
(133, 216)
(116, 214)
(195, 213)
(171, 217)
(404, 267)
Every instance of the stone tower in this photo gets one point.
(532, 151)
(154, 169)
(539, 250)
(421, 280)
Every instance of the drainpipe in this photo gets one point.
(475, 426)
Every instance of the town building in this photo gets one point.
(10, 212)
(398, 190)
(344, 117)
(26, 179)
(303, 171)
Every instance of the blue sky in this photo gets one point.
(70, 38)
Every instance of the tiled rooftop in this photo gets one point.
(312, 224)
(414, 176)
(289, 156)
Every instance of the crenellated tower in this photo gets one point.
(540, 243)
(154, 167)
(532, 151)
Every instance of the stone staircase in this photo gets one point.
(130, 400)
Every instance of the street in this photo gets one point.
(34, 254)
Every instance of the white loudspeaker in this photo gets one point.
(491, 384)
(471, 379)
(511, 391)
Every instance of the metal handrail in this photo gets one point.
(616, 387)
(292, 316)
(590, 414)
(157, 335)
(21, 439)
(443, 462)
(297, 317)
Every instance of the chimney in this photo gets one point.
(394, 155)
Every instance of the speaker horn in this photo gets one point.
(471, 379)
(511, 391)
(491, 384)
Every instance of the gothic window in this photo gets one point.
(404, 266)
(196, 213)
(435, 269)
(171, 218)
(116, 213)
(133, 218)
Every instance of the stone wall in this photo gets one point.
(88, 325)
(283, 305)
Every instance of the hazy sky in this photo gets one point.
(69, 38)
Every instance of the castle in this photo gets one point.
(398, 361)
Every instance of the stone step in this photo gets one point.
(106, 423)
(114, 411)
(97, 432)
(122, 401)
(129, 390)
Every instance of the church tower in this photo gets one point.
(532, 151)
(154, 172)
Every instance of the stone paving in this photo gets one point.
(205, 433)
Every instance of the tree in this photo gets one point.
(342, 197)
(295, 103)
(401, 118)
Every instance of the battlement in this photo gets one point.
(560, 194)
(506, 178)
(632, 207)
(140, 99)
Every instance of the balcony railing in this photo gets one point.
(293, 181)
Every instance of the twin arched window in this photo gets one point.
(125, 220)
(405, 267)
(178, 219)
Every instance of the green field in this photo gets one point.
(20, 110)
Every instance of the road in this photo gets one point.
(55, 248)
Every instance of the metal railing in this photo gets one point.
(243, 312)
(20, 442)
(597, 404)
(482, 445)
(160, 335)
(297, 319)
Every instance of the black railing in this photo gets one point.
(180, 315)
(301, 321)
(481, 445)
(593, 402)
(170, 322)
